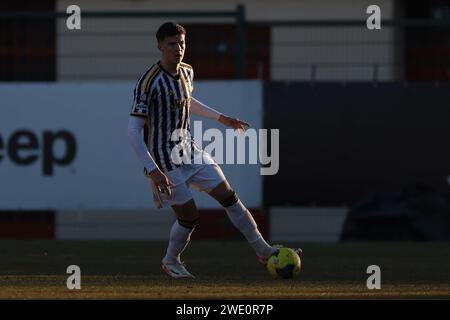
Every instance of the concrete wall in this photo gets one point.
(120, 48)
(256, 9)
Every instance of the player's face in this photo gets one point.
(172, 48)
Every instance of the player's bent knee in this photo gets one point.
(190, 224)
(186, 211)
(230, 200)
(223, 187)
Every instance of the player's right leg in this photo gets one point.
(182, 228)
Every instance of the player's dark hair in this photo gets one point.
(169, 29)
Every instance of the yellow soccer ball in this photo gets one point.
(284, 264)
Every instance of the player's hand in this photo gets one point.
(234, 123)
(162, 183)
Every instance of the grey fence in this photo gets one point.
(37, 46)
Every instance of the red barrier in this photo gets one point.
(214, 224)
(27, 224)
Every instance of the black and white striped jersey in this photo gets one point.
(164, 100)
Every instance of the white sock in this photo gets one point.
(243, 220)
(178, 241)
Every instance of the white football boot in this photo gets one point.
(263, 260)
(176, 270)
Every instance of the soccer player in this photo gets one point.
(162, 103)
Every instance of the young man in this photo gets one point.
(162, 103)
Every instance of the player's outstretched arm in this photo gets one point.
(233, 123)
(201, 109)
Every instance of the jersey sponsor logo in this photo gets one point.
(180, 104)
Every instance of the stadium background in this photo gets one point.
(362, 117)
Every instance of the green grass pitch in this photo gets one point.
(223, 270)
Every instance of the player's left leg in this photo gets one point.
(242, 219)
(209, 178)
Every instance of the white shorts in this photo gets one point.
(203, 177)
